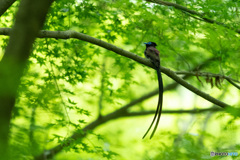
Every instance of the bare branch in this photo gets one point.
(233, 83)
(102, 88)
(200, 16)
(193, 111)
(177, 6)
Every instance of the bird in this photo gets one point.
(153, 54)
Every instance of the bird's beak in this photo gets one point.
(145, 43)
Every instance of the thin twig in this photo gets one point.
(102, 88)
(193, 111)
(201, 16)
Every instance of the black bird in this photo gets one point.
(153, 54)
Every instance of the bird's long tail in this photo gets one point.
(159, 106)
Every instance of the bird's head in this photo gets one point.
(148, 44)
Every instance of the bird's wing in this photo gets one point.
(153, 54)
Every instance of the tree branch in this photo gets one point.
(193, 111)
(4, 5)
(102, 88)
(73, 34)
(201, 16)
